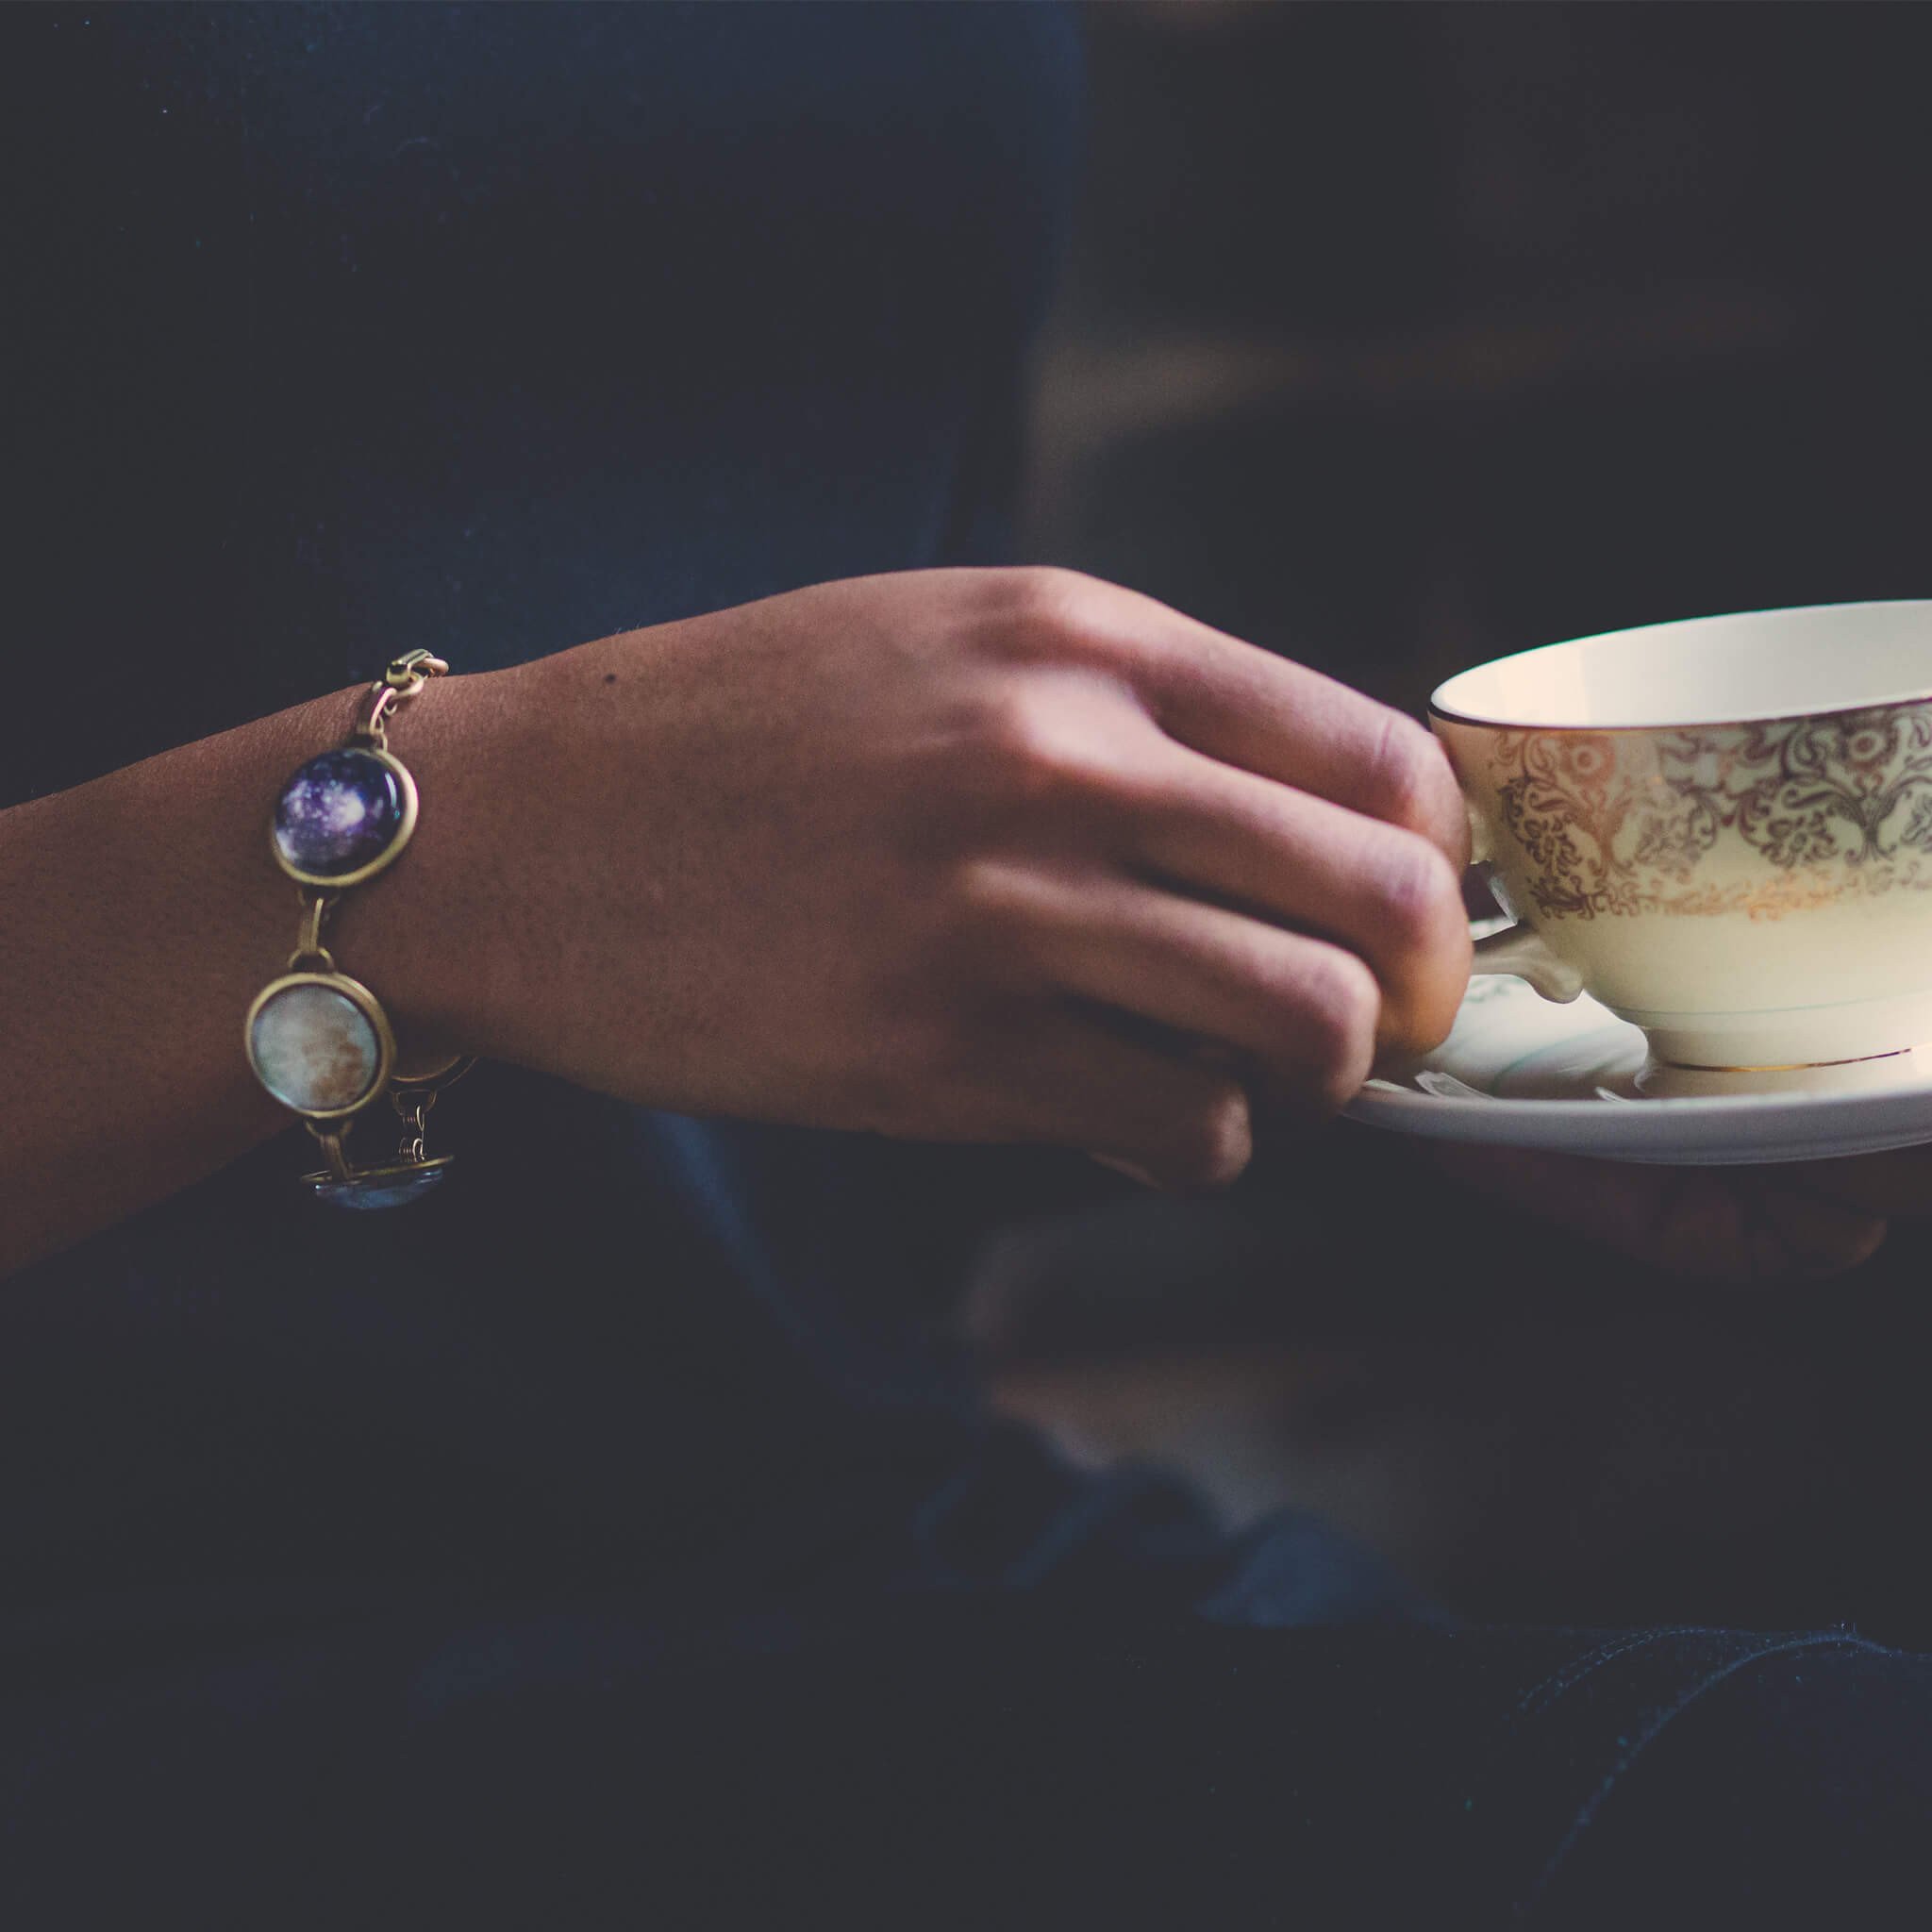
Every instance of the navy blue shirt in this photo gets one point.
(338, 329)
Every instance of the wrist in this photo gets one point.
(421, 933)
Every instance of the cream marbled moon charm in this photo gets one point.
(320, 1044)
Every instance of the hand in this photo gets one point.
(1715, 1223)
(969, 855)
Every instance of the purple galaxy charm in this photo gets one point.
(338, 813)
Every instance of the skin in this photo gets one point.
(1716, 1224)
(1007, 855)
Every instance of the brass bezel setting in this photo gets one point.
(444, 1073)
(387, 1172)
(365, 1003)
(335, 882)
(412, 1093)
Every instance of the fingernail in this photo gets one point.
(1132, 1173)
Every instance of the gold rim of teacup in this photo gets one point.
(1444, 713)
(1846, 610)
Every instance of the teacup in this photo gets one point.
(1721, 828)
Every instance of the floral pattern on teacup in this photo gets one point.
(1623, 822)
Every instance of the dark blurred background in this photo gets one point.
(1396, 334)
(1394, 337)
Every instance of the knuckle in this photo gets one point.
(1040, 610)
(1028, 746)
(998, 932)
(1407, 779)
(981, 891)
(1211, 1140)
(1047, 587)
(1418, 900)
(986, 913)
(1426, 966)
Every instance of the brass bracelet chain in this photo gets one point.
(319, 1041)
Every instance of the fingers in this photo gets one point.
(1704, 1223)
(1382, 892)
(1245, 706)
(1804, 1235)
(1156, 1116)
(1244, 779)
(1281, 720)
(1288, 849)
(1898, 1182)
(1303, 1010)
(1674, 1218)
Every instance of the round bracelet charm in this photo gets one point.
(392, 1184)
(316, 1039)
(343, 816)
(320, 1044)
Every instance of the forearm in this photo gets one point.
(140, 914)
(892, 853)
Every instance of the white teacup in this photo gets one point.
(1721, 828)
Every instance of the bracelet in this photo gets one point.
(318, 1039)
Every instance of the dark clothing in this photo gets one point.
(970, 1760)
(495, 329)
(607, 1535)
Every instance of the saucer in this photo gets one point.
(1517, 1071)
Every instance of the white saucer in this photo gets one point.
(1517, 1072)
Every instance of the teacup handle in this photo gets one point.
(1519, 950)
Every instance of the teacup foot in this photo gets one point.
(1662, 1080)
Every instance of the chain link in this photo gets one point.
(330, 1136)
(412, 1110)
(403, 678)
(310, 955)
